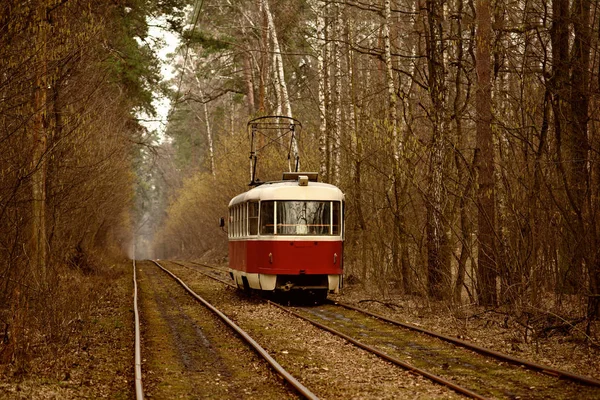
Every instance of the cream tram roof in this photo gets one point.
(290, 190)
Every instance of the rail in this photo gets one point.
(566, 375)
(407, 366)
(139, 391)
(204, 273)
(303, 390)
(482, 350)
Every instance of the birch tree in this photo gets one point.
(438, 269)
(322, 74)
(283, 99)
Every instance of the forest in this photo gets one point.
(464, 133)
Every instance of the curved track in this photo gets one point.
(435, 378)
(301, 389)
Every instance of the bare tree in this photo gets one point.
(485, 162)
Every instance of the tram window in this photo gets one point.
(336, 218)
(234, 221)
(239, 224)
(230, 223)
(267, 218)
(343, 219)
(240, 218)
(253, 218)
(304, 218)
(243, 220)
(238, 229)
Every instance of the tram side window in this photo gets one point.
(267, 218)
(243, 220)
(230, 223)
(237, 221)
(336, 218)
(253, 218)
(234, 230)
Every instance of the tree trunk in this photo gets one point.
(39, 254)
(464, 169)
(249, 84)
(209, 138)
(283, 99)
(487, 269)
(336, 139)
(578, 155)
(567, 280)
(264, 55)
(322, 77)
(438, 260)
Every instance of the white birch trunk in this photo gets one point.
(337, 100)
(209, 137)
(321, 70)
(391, 87)
(279, 75)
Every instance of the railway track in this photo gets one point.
(198, 351)
(482, 350)
(217, 273)
(484, 375)
(139, 390)
(471, 370)
(326, 364)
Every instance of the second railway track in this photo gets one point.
(483, 375)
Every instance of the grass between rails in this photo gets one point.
(482, 374)
(189, 353)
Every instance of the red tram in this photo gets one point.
(288, 235)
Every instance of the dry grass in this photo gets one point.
(77, 344)
(41, 322)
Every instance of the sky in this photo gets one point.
(163, 43)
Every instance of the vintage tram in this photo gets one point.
(288, 235)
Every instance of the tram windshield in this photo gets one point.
(300, 218)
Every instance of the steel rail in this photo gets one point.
(139, 391)
(204, 273)
(303, 390)
(409, 367)
(562, 374)
(221, 269)
(483, 350)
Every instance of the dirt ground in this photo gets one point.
(98, 360)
